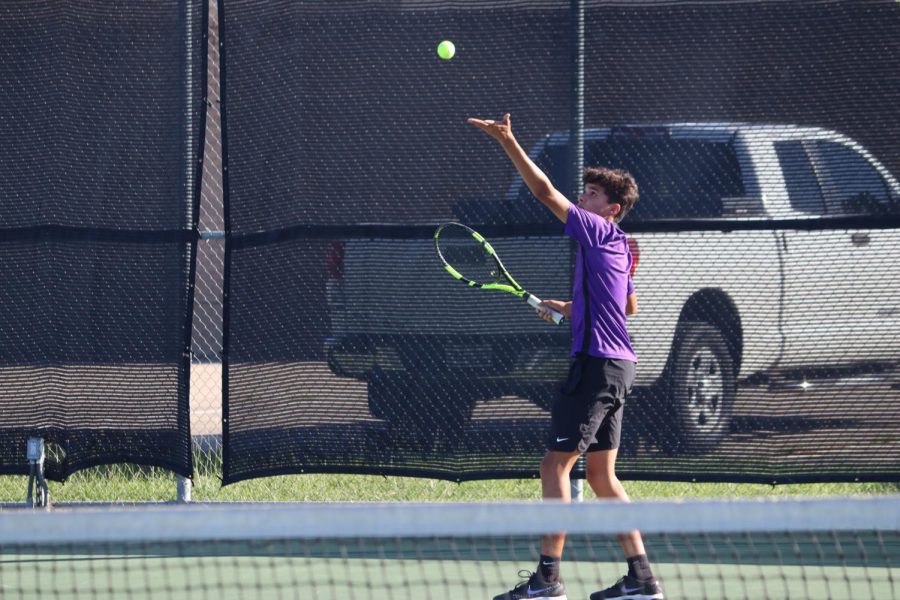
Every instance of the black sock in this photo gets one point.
(639, 567)
(548, 567)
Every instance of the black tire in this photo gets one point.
(422, 409)
(696, 396)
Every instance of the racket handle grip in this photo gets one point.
(535, 302)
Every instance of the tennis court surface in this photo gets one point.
(832, 548)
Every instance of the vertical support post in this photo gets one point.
(576, 139)
(576, 121)
(38, 495)
(184, 486)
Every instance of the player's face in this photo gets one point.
(595, 200)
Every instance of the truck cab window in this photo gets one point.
(677, 178)
(850, 183)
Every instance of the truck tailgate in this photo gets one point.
(395, 286)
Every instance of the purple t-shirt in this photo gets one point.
(604, 247)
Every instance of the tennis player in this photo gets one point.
(587, 415)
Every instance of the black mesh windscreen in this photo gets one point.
(100, 119)
(341, 113)
(762, 136)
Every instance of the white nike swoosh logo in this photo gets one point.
(626, 590)
(561, 439)
(531, 592)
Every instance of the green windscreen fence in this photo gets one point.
(763, 137)
(765, 243)
(101, 108)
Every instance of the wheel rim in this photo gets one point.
(705, 388)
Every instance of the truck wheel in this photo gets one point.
(423, 408)
(698, 392)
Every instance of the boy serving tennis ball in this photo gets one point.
(587, 415)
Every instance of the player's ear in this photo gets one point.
(616, 207)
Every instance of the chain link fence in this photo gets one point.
(127, 483)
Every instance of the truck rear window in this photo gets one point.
(677, 179)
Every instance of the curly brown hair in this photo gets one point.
(618, 184)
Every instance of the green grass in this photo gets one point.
(351, 488)
(129, 483)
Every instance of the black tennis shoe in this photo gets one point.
(630, 588)
(535, 588)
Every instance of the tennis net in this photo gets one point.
(826, 548)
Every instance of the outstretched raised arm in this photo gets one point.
(534, 178)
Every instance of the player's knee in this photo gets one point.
(552, 466)
(604, 488)
(603, 481)
(601, 473)
(549, 467)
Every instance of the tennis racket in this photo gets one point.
(470, 258)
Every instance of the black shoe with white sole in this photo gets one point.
(630, 588)
(535, 588)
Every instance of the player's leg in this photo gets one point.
(545, 582)
(601, 476)
(574, 418)
(556, 484)
(639, 583)
(564, 444)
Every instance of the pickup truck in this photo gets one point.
(718, 306)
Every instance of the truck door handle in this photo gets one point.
(860, 239)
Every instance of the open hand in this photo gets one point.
(499, 130)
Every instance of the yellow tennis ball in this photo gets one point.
(446, 49)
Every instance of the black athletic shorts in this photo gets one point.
(587, 415)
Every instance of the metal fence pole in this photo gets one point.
(183, 485)
(576, 140)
